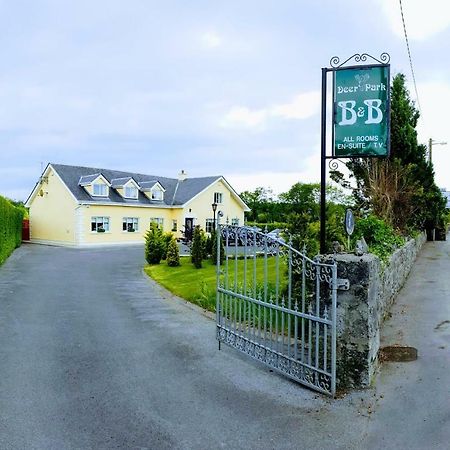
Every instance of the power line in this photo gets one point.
(409, 55)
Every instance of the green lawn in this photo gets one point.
(199, 285)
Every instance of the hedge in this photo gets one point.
(10, 228)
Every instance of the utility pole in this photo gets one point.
(430, 148)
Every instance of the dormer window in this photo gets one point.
(131, 192)
(126, 187)
(153, 189)
(157, 194)
(100, 190)
(96, 185)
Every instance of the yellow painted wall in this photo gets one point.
(116, 215)
(201, 206)
(52, 215)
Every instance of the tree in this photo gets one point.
(154, 244)
(197, 248)
(401, 189)
(303, 198)
(261, 204)
(173, 254)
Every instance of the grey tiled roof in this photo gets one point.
(120, 182)
(148, 184)
(87, 179)
(177, 192)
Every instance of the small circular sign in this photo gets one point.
(349, 222)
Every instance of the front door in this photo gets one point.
(188, 228)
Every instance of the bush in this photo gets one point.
(166, 238)
(270, 226)
(197, 248)
(173, 254)
(10, 228)
(154, 244)
(208, 246)
(381, 238)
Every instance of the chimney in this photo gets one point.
(182, 175)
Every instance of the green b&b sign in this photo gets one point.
(361, 111)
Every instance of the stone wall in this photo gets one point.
(362, 309)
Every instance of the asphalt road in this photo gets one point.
(95, 356)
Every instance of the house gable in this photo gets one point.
(127, 187)
(153, 190)
(213, 199)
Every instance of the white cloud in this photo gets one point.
(243, 117)
(300, 107)
(423, 19)
(211, 39)
(278, 181)
(434, 101)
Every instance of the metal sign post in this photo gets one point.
(361, 116)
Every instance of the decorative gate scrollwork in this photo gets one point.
(277, 305)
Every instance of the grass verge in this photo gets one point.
(198, 286)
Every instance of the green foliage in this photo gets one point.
(303, 220)
(166, 238)
(173, 253)
(261, 203)
(155, 244)
(208, 246)
(214, 249)
(381, 238)
(11, 218)
(270, 226)
(197, 248)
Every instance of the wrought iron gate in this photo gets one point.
(277, 305)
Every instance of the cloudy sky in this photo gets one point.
(211, 87)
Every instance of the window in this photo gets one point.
(130, 224)
(99, 224)
(158, 220)
(157, 194)
(209, 226)
(174, 225)
(218, 197)
(100, 190)
(235, 222)
(131, 192)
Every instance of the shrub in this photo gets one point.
(10, 228)
(381, 238)
(173, 254)
(166, 238)
(197, 248)
(208, 246)
(154, 244)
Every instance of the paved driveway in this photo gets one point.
(92, 355)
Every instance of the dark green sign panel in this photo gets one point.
(361, 111)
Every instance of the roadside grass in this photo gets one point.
(198, 286)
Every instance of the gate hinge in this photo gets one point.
(342, 284)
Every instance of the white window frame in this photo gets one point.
(235, 222)
(103, 186)
(104, 220)
(157, 194)
(174, 225)
(133, 221)
(218, 197)
(135, 190)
